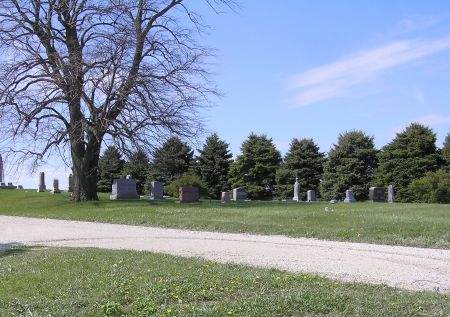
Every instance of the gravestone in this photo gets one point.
(391, 194)
(41, 187)
(56, 186)
(239, 194)
(349, 198)
(225, 198)
(377, 194)
(156, 190)
(124, 188)
(188, 194)
(296, 190)
(70, 190)
(311, 195)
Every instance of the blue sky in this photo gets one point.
(314, 69)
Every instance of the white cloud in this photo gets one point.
(336, 79)
(431, 120)
(416, 22)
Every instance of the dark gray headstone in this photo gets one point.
(124, 188)
(188, 194)
(56, 186)
(239, 194)
(349, 197)
(156, 190)
(41, 186)
(391, 194)
(377, 194)
(311, 195)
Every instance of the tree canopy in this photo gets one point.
(409, 156)
(303, 160)
(255, 168)
(77, 74)
(213, 165)
(350, 164)
(171, 160)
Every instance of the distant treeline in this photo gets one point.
(411, 162)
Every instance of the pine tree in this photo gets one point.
(213, 164)
(255, 168)
(350, 165)
(409, 156)
(446, 152)
(110, 166)
(138, 166)
(305, 161)
(171, 160)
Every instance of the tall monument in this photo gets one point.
(2, 173)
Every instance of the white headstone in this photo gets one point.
(391, 194)
(311, 195)
(296, 190)
(349, 198)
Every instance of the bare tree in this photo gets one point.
(77, 73)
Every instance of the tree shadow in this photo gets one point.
(12, 248)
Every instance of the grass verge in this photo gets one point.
(90, 282)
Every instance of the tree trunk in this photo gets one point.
(85, 173)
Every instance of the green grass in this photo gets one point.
(90, 282)
(423, 225)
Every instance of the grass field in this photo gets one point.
(89, 282)
(423, 225)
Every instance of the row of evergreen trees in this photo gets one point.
(353, 162)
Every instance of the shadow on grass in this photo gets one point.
(8, 249)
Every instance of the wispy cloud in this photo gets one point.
(432, 120)
(338, 78)
(416, 22)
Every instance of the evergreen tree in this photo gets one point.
(138, 166)
(255, 168)
(350, 165)
(171, 160)
(305, 161)
(446, 152)
(213, 165)
(110, 166)
(409, 156)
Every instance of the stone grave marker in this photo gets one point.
(225, 198)
(56, 186)
(311, 195)
(124, 188)
(349, 197)
(156, 190)
(41, 187)
(188, 194)
(239, 194)
(391, 194)
(296, 190)
(70, 190)
(377, 194)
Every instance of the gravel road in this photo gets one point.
(402, 267)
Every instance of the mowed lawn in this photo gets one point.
(89, 282)
(423, 225)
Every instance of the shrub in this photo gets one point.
(434, 187)
(187, 179)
